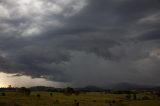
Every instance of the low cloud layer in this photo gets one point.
(81, 42)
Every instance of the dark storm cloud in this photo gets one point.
(85, 42)
(33, 58)
(115, 12)
(152, 35)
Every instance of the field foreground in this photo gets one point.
(83, 99)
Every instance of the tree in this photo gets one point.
(69, 90)
(128, 96)
(134, 97)
(24, 91)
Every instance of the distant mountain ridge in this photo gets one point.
(91, 88)
(121, 86)
(118, 86)
(129, 86)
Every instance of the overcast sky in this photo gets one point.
(81, 42)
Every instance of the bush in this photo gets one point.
(113, 101)
(77, 93)
(145, 98)
(3, 94)
(94, 101)
(77, 104)
(38, 95)
(128, 96)
(51, 94)
(158, 94)
(57, 101)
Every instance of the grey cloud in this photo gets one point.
(103, 41)
(89, 69)
(152, 35)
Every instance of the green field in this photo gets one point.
(84, 99)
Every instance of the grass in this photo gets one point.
(84, 99)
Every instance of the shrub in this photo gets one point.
(77, 104)
(128, 96)
(113, 101)
(57, 101)
(38, 95)
(51, 94)
(145, 98)
(77, 93)
(3, 94)
(94, 101)
(158, 94)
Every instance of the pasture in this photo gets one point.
(83, 99)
